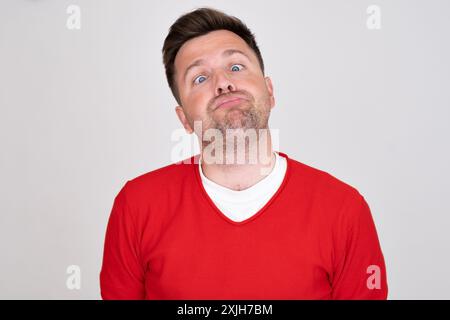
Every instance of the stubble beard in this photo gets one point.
(243, 125)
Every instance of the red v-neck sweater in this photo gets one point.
(314, 239)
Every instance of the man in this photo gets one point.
(227, 224)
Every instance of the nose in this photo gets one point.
(223, 84)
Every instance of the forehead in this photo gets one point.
(211, 43)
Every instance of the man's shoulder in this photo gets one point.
(161, 179)
(321, 182)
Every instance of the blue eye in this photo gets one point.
(198, 78)
(233, 67)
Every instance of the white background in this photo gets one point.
(83, 111)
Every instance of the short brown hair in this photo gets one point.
(197, 23)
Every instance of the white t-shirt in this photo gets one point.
(241, 205)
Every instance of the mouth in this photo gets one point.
(230, 103)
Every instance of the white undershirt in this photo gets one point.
(241, 205)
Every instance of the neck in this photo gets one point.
(240, 176)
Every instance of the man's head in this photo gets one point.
(211, 58)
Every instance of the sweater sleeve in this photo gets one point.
(121, 275)
(359, 269)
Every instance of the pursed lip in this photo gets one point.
(229, 99)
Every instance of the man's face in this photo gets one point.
(220, 67)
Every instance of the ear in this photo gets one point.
(180, 113)
(270, 89)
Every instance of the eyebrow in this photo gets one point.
(199, 62)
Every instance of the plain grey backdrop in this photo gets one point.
(84, 110)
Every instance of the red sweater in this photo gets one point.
(314, 239)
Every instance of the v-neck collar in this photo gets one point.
(259, 212)
(252, 193)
